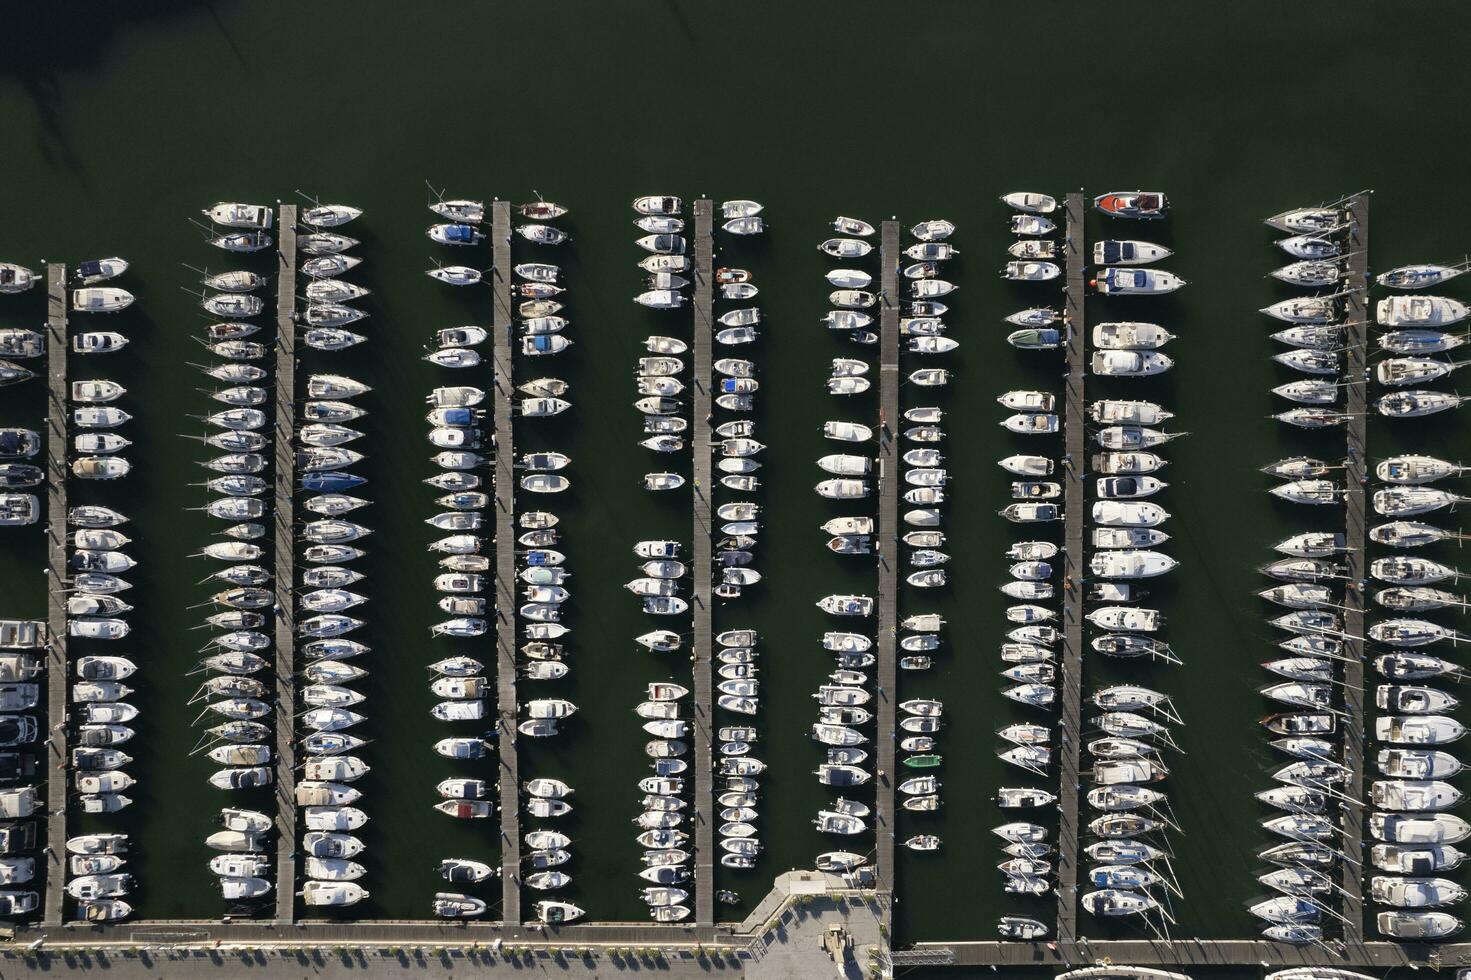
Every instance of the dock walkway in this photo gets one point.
(1183, 953)
(704, 570)
(886, 546)
(58, 445)
(285, 537)
(1075, 503)
(508, 709)
(1355, 476)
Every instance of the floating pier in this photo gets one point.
(1075, 504)
(704, 569)
(1355, 476)
(886, 545)
(508, 710)
(1178, 954)
(285, 536)
(58, 445)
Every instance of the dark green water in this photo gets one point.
(119, 129)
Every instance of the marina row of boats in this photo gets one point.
(20, 670)
(96, 611)
(547, 850)
(1414, 836)
(1128, 874)
(925, 479)
(1414, 721)
(238, 692)
(330, 600)
(737, 684)
(659, 826)
(1028, 660)
(1304, 858)
(1129, 868)
(95, 561)
(844, 700)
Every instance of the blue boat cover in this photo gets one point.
(89, 269)
(331, 482)
(458, 416)
(541, 342)
(460, 233)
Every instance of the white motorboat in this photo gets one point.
(332, 893)
(846, 605)
(1129, 564)
(1120, 281)
(1130, 336)
(101, 299)
(1031, 224)
(1025, 271)
(1419, 311)
(933, 230)
(1418, 925)
(230, 214)
(846, 248)
(15, 278)
(1128, 252)
(1130, 363)
(1030, 202)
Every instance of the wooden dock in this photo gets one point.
(58, 446)
(285, 544)
(1072, 474)
(1355, 476)
(1182, 953)
(886, 545)
(508, 708)
(701, 349)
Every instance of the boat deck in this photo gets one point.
(285, 543)
(508, 709)
(58, 445)
(1355, 477)
(700, 556)
(1075, 507)
(886, 545)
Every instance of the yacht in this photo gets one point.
(1419, 311)
(1129, 363)
(15, 278)
(230, 214)
(1133, 204)
(1136, 282)
(101, 299)
(1419, 276)
(1130, 336)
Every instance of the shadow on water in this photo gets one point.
(43, 42)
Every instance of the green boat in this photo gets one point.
(923, 761)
